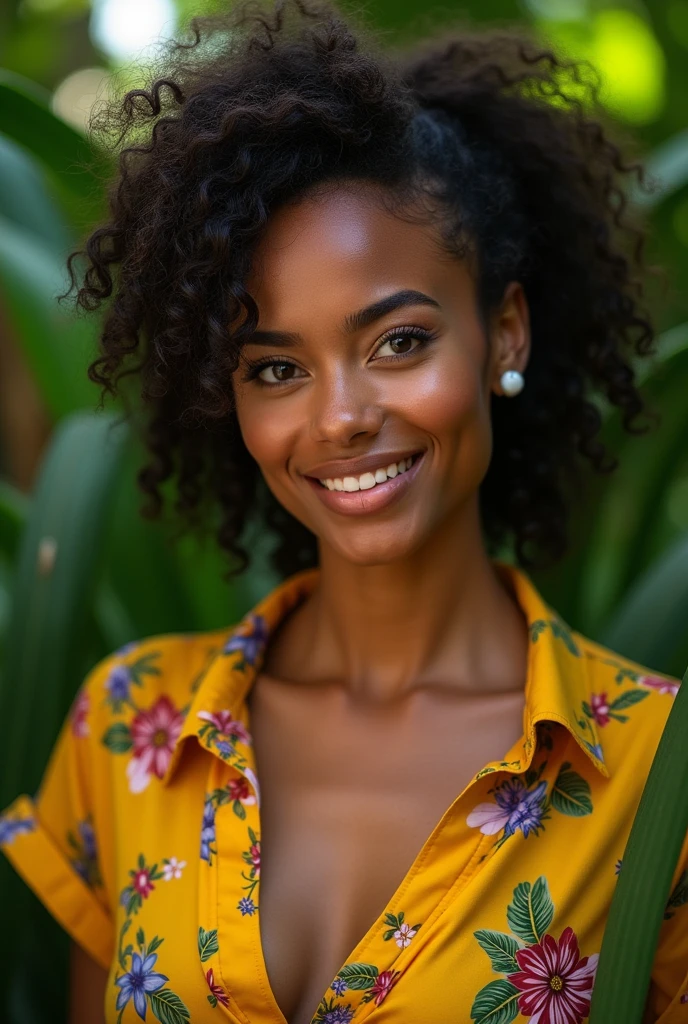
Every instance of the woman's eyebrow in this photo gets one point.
(354, 321)
(364, 317)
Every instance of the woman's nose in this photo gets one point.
(344, 409)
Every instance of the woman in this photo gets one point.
(389, 287)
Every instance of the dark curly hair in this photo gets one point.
(264, 104)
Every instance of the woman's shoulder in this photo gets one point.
(135, 700)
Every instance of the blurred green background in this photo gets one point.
(81, 573)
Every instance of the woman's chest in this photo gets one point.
(350, 798)
(505, 868)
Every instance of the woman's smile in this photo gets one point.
(356, 493)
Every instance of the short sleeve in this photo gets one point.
(56, 840)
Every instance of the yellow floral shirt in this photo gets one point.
(144, 842)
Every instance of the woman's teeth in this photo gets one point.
(365, 481)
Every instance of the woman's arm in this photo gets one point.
(87, 981)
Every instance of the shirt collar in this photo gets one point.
(556, 678)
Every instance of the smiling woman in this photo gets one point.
(372, 297)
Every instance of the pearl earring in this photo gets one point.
(512, 382)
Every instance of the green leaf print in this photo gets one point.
(627, 699)
(562, 632)
(531, 912)
(497, 1003)
(207, 943)
(359, 976)
(118, 738)
(500, 948)
(168, 1007)
(571, 793)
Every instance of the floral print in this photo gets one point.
(555, 980)
(217, 993)
(523, 804)
(79, 714)
(603, 710)
(85, 855)
(250, 642)
(172, 868)
(154, 733)
(140, 980)
(399, 930)
(208, 831)
(117, 786)
(546, 980)
(10, 828)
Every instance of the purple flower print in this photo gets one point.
(246, 906)
(250, 644)
(515, 807)
(118, 684)
(9, 828)
(225, 748)
(340, 1015)
(527, 814)
(339, 986)
(138, 981)
(207, 829)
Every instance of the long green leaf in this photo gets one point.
(45, 651)
(650, 624)
(25, 198)
(14, 508)
(642, 889)
(58, 345)
(26, 117)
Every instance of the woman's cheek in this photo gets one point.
(272, 441)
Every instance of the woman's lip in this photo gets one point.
(360, 503)
(356, 467)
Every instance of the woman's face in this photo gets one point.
(364, 396)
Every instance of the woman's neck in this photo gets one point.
(441, 617)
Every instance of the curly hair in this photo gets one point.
(263, 105)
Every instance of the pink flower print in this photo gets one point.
(254, 859)
(383, 983)
(239, 789)
(599, 705)
(659, 684)
(555, 982)
(227, 725)
(154, 733)
(79, 713)
(217, 991)
(141, 882)
(403, 935)
(172, 868)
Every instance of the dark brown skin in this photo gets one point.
(410, 641)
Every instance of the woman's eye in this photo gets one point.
(277, 373)
(399, 345)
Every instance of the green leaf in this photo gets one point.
(168, 1007)
(239, 809)
(140, 937)
(571, 793)
(26, 117)
(154, 943)
(359, 976)
(496, 1003)
(628, 699)
(118, 738)
(500, 948)
(57, 344)
(207, 943)
(531, 911)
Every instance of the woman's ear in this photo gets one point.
(509, 335)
